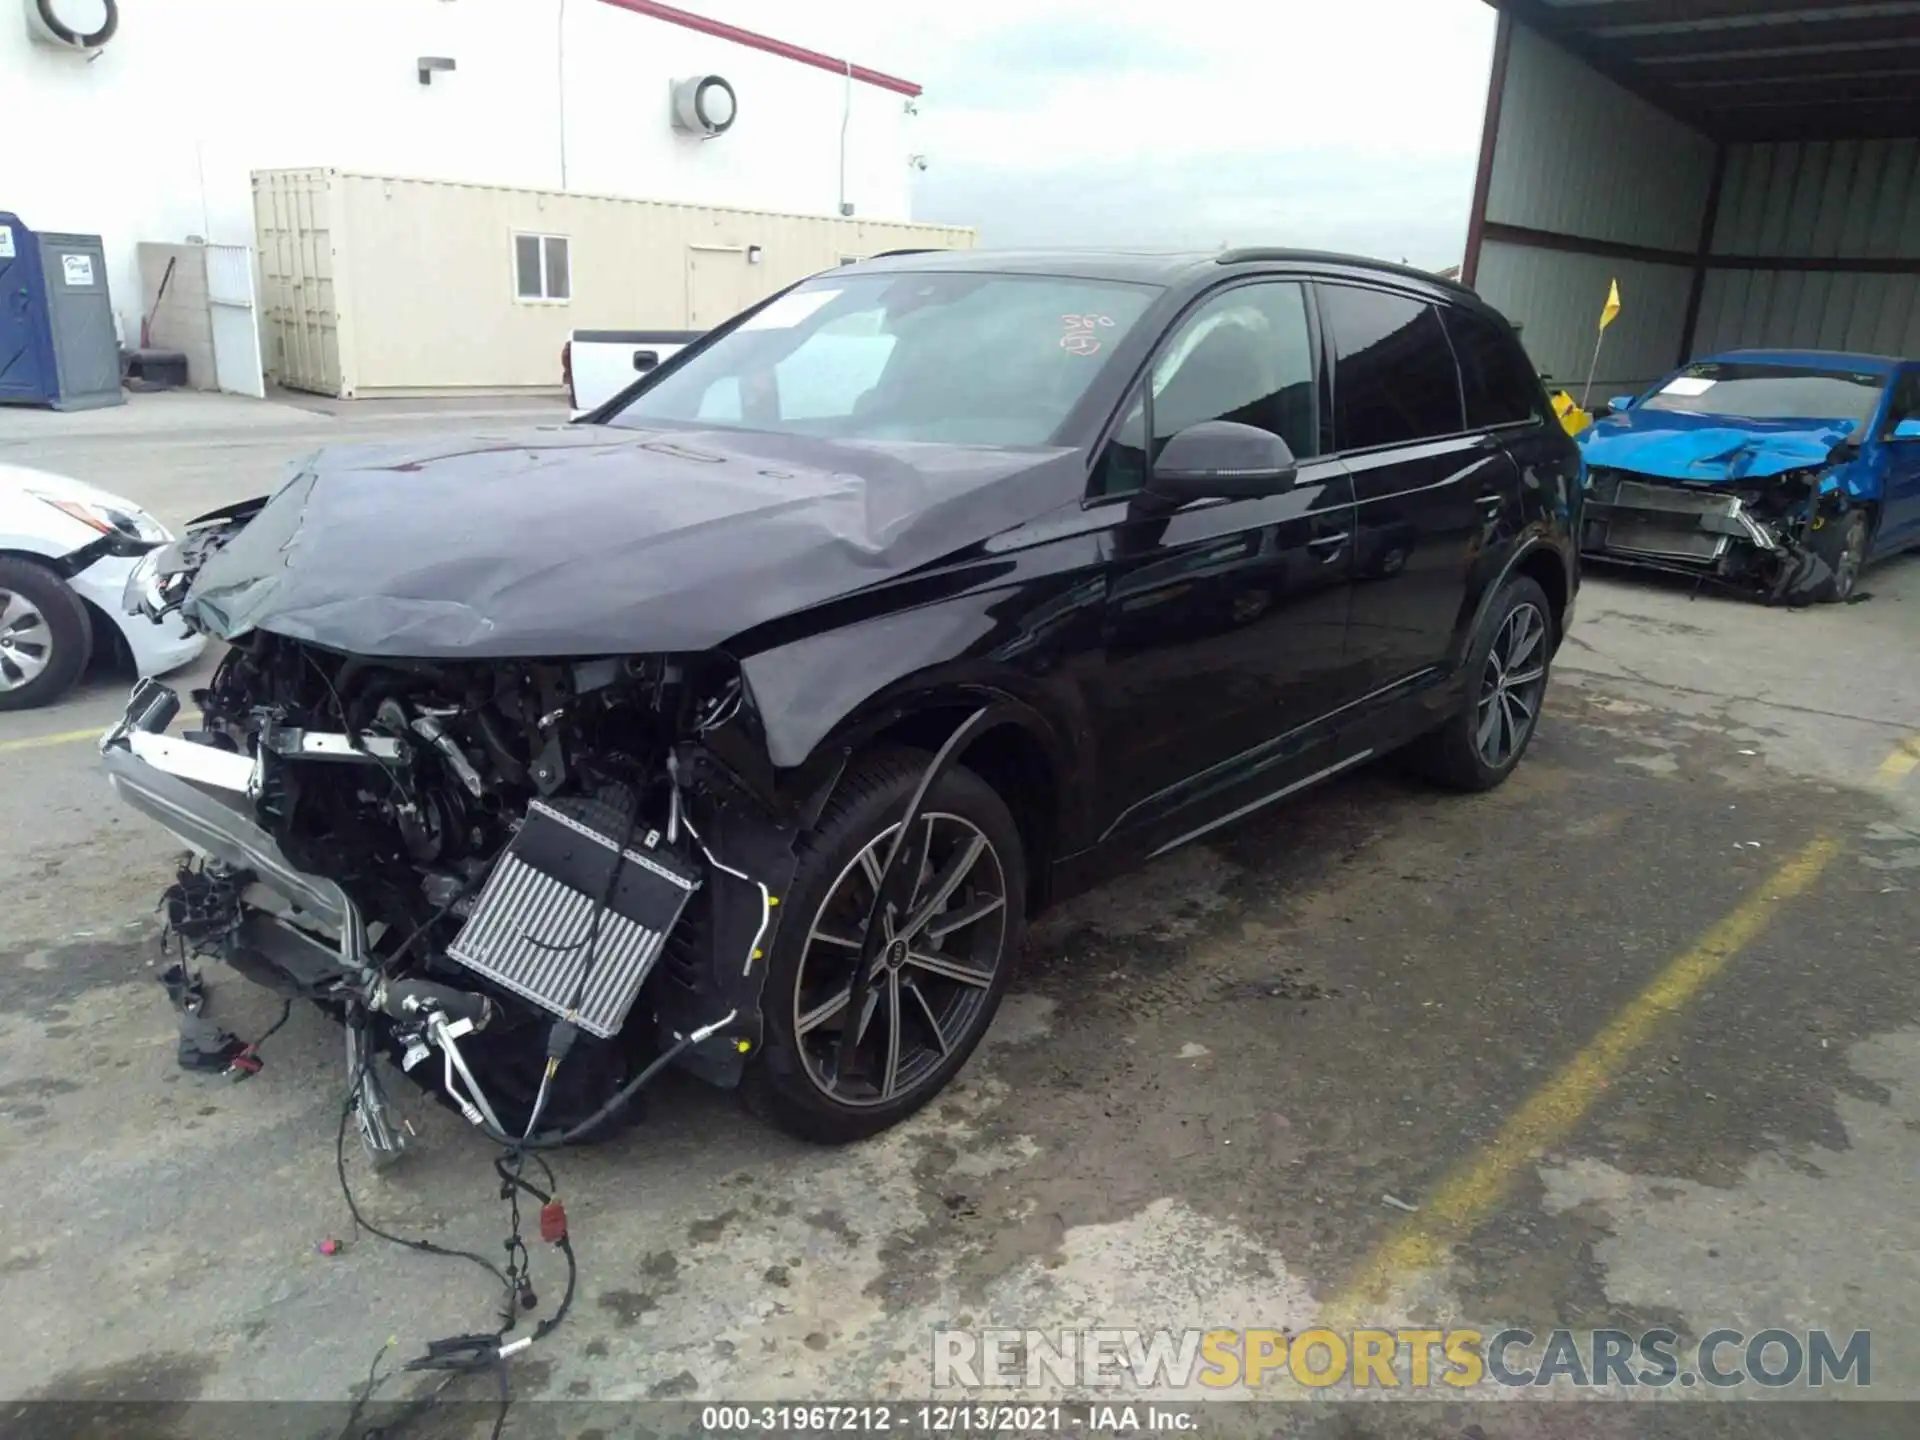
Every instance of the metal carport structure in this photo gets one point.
(1749, 171)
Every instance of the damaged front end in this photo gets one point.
(481, 867)
(1756, 536)
(482, 772)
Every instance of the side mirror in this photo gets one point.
(1222, 460)
(1908, 429)
(645, 360)
(1618, 404)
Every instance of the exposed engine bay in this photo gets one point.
(1756, 536)
(483, 868)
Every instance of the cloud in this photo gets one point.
(1406, 208)
(1347, 123)
(1015, 67)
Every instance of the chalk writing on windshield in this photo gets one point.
(1081, 335)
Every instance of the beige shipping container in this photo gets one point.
(378, 286)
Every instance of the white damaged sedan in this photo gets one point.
(67, 552)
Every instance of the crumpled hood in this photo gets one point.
(1709, 448)
(583, 540)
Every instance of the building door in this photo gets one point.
(235, 323)
(716, 284)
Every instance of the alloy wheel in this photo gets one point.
(1511, 686)
(930, 982)
(26, 641)
(1846, 571)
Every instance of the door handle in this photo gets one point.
(1328, 545)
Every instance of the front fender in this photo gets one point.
(52, 535)
(825, 696)
(1862, 480)
(806, 689)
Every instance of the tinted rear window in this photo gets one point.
(1494, 372)
(1394, 380)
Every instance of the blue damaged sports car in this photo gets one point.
(1783, 473)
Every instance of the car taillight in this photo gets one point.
(566, 371)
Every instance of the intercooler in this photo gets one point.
(533, 928)
(1669, 522)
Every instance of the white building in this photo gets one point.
(154, 135)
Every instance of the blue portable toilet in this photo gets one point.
(57, 342)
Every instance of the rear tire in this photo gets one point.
(937, 993)
(1506, 672)
(45, 637)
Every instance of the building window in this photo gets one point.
(542, 267)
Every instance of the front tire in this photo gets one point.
(1506, 671)
(1842, 543)
(45, 639)
(938, 981)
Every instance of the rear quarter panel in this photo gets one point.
(1550, 467)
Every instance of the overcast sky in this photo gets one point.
(1350, 124)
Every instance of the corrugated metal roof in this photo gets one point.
(1760, 20)
(1750, 70)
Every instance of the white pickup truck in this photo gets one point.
(599, 364)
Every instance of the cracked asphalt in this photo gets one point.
(1220, 1091)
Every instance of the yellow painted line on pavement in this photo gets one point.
(1904, 760)
(1472, 1193)
(65, 737)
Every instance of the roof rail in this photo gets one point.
(918, 250)
(1244, 253)
(1254, 253)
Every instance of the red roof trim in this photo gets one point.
(720, 30)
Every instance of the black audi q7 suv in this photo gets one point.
(743, 724)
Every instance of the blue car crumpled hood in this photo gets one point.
(1710, 449)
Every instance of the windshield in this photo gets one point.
(1770, 392)
(948, 357)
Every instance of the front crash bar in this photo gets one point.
(887, 891)
(219, 830)
(216, 828)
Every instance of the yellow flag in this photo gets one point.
(1613, 305)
